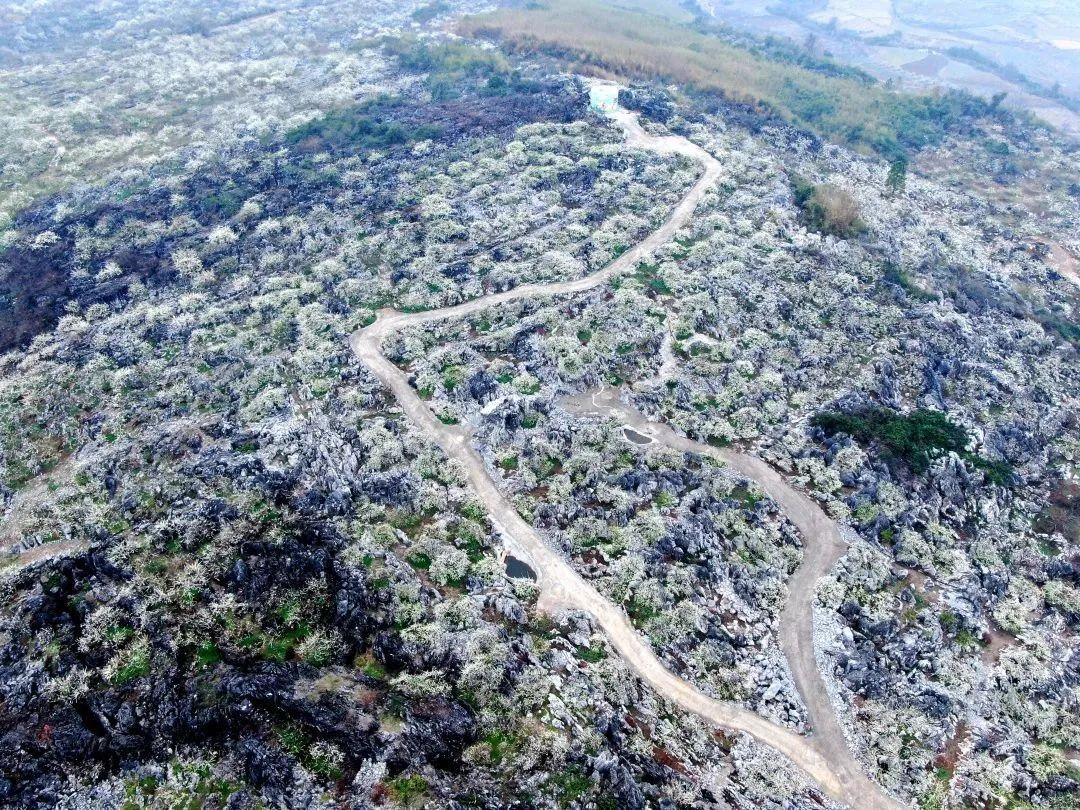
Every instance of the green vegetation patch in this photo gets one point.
(593, 655)
(207, 655)
(501, 746)
(367, 126)
(648, 275)
(407, 789)
(133, 663)
(296, 741)
(278, 649)
(915, 438)
(455, 67)
(189, 786)
(370, 666)
(570, 784)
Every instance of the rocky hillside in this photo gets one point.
(234, 573)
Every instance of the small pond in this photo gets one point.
(517, 569)
(635, 437)
(604, 96)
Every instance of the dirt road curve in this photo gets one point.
(824, 756)
(822, 547)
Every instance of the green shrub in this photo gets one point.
(453, 376)
(323, 763)
(118, 634)
(207, 655)
(137, 664)
(949, 621)
(897, 177)
(997, 472)
(221, 204)
(500, 746)
(447, 58)
(641, 611)
(474, 512)
(593, 655)
(293, 739)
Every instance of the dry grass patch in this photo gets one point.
(647, 41)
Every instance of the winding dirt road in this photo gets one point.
(824, 756)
